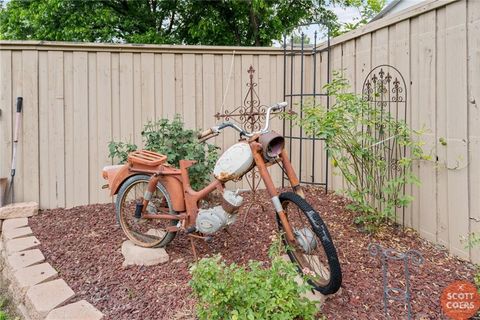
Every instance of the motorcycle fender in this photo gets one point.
(175, 190)
(116, 175)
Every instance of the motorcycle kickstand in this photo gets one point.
(193, 249)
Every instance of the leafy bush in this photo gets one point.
(235, 292)
(173, 140)
(349, 128)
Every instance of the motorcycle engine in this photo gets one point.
(213, 219)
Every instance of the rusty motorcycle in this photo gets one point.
(155, 201)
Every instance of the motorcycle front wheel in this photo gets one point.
(313, 250)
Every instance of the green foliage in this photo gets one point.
(367, 8)
(235, 292)
(360, 154)
(473, 241)
(173, 140)
(120, 150)
(215, 22)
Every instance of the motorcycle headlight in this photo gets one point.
(272, 144)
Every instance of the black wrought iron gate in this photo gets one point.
(301, 87)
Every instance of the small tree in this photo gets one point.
(349, 131)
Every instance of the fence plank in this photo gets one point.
(178, 84)
(413, 112)
(399, 57)
(457, 156)
(168, 86)
(147, 87)
(474, 121)
(30, 125)
(426, 119)
(80, 128)
(126, 102)
(56, 132)
(441, 125)
(115, 83)
(92, 128)
(104, 120)
(137, 100)
(17, 91)
(188, 107)
(43, 128)
(6, 115)
(68, 127)
(380, 47)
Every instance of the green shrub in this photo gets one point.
(173, 140)
(348, 128)
(236, 292)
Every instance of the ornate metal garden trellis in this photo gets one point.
(297, 100)
(385, 90)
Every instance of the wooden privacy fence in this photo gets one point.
(77, 97)
(436, 46)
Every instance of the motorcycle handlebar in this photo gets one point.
(215, 130)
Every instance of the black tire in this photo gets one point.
(137, 229)
(323, 255)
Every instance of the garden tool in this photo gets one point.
(11, 191)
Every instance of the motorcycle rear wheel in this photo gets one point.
(143, 232)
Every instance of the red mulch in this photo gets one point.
(83, 244)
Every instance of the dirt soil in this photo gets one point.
(83, 244)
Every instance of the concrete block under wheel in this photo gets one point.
(19, 210)
(21, 244)
(21, 232)
(43, 298)
(81, 310)
(14, 223)
(135, 255)
(27, 277)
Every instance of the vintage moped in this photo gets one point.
(155, 201)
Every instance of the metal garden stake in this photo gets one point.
(389, 292)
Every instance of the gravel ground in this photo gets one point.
(83, 244)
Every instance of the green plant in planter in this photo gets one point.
(359, 154)
(235, 292)
(173, 140)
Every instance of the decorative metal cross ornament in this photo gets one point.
(250, 116)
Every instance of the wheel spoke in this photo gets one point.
(145, 232)
(307, 250)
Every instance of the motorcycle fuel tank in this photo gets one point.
(234, 162)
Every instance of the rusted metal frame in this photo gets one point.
(191, 196)
(272, 191)
(181, 216)
(292, 177)
(151, 188)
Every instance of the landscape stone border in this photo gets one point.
(34, 285)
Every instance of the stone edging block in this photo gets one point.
(35, 293)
